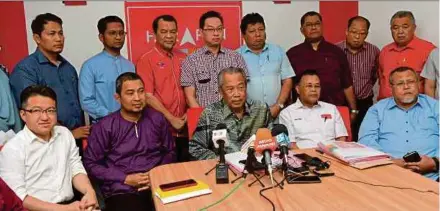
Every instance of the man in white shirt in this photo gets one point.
(41, 162)
(308, 120)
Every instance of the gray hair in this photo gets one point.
(402, 14)
(230, 70)
(402, 69)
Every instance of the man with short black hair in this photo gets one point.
(200, 69)
(327, 59)
(270, 72)
(98, 74)
(41, 163)
(363, 58)
(125, 145)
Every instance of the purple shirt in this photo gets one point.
(330, 63)
(117, 147)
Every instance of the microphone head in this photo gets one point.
(220, 135)
(278, 129)
(221, 126)
(264, 141)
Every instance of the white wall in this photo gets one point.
(79, 25)
(379, 13)
(282, 20)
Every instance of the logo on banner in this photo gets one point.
(140, 16)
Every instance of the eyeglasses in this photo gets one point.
(212, 30)
(311, 25)
(39, 111)
(401, 84)
(115, 33)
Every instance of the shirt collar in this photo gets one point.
(205, 50)
(247, 49)
(321, 43)
(227, 111)
(392, 103)
(412, 44)
(298, 104)
(42, 59)
(106, 53)
(344, 46)
(33, 137)
(163, 52)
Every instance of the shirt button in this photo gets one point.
(67, 92)
(72, 104)
(407, 131)
(406, 122)
(216, 92)
(406, 140)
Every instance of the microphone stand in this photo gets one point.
(222, 159)
(249, 167)
(266, 173)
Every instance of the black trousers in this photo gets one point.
(182, 149)
(141, 201)
(362, 105)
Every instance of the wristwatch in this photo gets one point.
(436, 163)
(281, 105)
(353, 111)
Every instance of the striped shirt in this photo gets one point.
(256, 115)
(200, 70)
(363, 66)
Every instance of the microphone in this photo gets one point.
(265, 144)
(220, 139)
(281, 134)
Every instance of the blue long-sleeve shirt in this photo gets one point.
(97, 83)
(9, 118)
(389, 128)
(62, 78)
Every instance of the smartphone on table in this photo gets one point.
(177, 185)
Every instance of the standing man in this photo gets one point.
(160, 70)
(9, 118)
(431, 74)
(270, 72)
(98, 74)
(47, 67)
(363, 59)
(200, 69)
(406, 50)
(328, 60)
(125, 145)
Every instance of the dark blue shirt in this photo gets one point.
(63, 79)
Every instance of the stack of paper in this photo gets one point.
(183, 193)
(355, 154)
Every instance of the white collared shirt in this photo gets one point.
(308, 126)
(44, 170)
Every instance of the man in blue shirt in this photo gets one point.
(270, 72)
(406, 122)
(47, 67)
(98, 74)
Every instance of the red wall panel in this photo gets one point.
(335, 15)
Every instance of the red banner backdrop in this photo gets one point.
(140, 16)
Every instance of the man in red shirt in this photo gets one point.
(407, 50)
(160, 70)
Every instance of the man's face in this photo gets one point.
(309, 89)
(114, 36)
(405, 87)
(402, 30)
(356, 34)
(312, 28)
(132, 97)
(166, 35)
(40, 115)
(233, 90)
(51, 39)
(212, 32)
(255, 36)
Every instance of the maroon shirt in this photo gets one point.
(8, 200)
(331, 65)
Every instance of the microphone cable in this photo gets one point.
(268, 188)
(386, 186)
(224, 197)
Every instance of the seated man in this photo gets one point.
(41, 163)
(241, 118)
(125, 145)
(308, 120)
(406, 122)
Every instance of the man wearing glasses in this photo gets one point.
(41, 163)
(98, 74)
(406, 122)
(327, 59)
(363, 59)
(200, 69)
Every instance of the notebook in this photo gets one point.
(183, 193)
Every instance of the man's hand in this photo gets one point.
(353, 117)
(178, 123)
(88, 201)
(425, 165)
(74, 206)
(138, 180)
(81, 132)
(275, 110)
(400, 162)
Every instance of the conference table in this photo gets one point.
(332, 194)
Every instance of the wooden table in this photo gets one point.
(332, 194)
